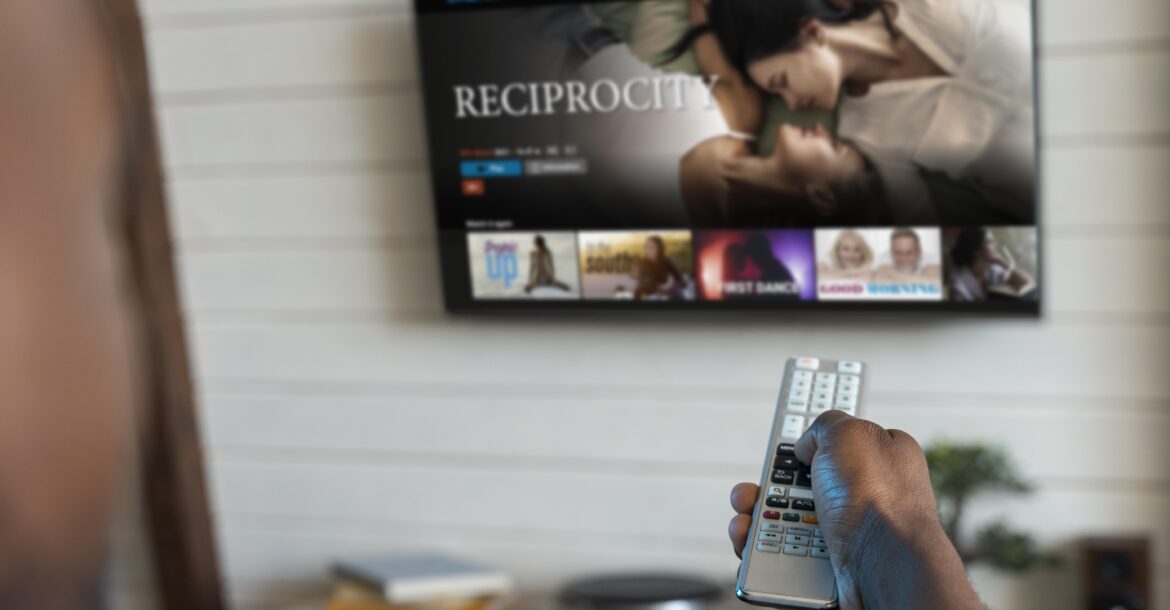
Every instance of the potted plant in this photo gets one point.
(959, 472)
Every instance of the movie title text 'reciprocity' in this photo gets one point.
(656, 94)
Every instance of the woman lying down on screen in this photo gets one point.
(809, 179)
(939, 85)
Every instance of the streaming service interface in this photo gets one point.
(584, 153)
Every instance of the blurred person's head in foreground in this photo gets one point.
(67, 329)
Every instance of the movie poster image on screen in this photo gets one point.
(523, 266)
(774, 265)
(637, 265)
(991, 264)
(903, 264)
(597, 107)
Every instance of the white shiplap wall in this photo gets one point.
(343, 412)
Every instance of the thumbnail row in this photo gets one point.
(904, 264)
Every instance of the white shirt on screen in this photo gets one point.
(967, 287)
(975, 123)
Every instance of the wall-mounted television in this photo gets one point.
(733, 154)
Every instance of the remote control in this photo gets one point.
(786, 561)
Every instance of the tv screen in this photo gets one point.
(733, 154)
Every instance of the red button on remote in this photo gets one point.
(771, 514)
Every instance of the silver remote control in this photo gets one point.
(786, 561)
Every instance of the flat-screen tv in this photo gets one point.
(733, 154)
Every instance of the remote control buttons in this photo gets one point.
(768, 547)
(797, 492)
(788, 462)
(802, 504)
(783, 477)
(853, 368)
(847, 399)
(792, 427)
(808, 363)
(787, 519)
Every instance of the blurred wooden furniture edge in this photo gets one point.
(179, 521)
(528, 600)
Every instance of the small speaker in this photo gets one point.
(1116, 573)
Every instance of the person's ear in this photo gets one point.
(812, 30)
(823, 200)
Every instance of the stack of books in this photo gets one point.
(416, 581)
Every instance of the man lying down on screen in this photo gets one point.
(935, 107)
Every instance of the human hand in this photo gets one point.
(1006, 258)
(878, 514)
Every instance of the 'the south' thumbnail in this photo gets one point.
(638, 265)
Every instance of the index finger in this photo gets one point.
(817, 435)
